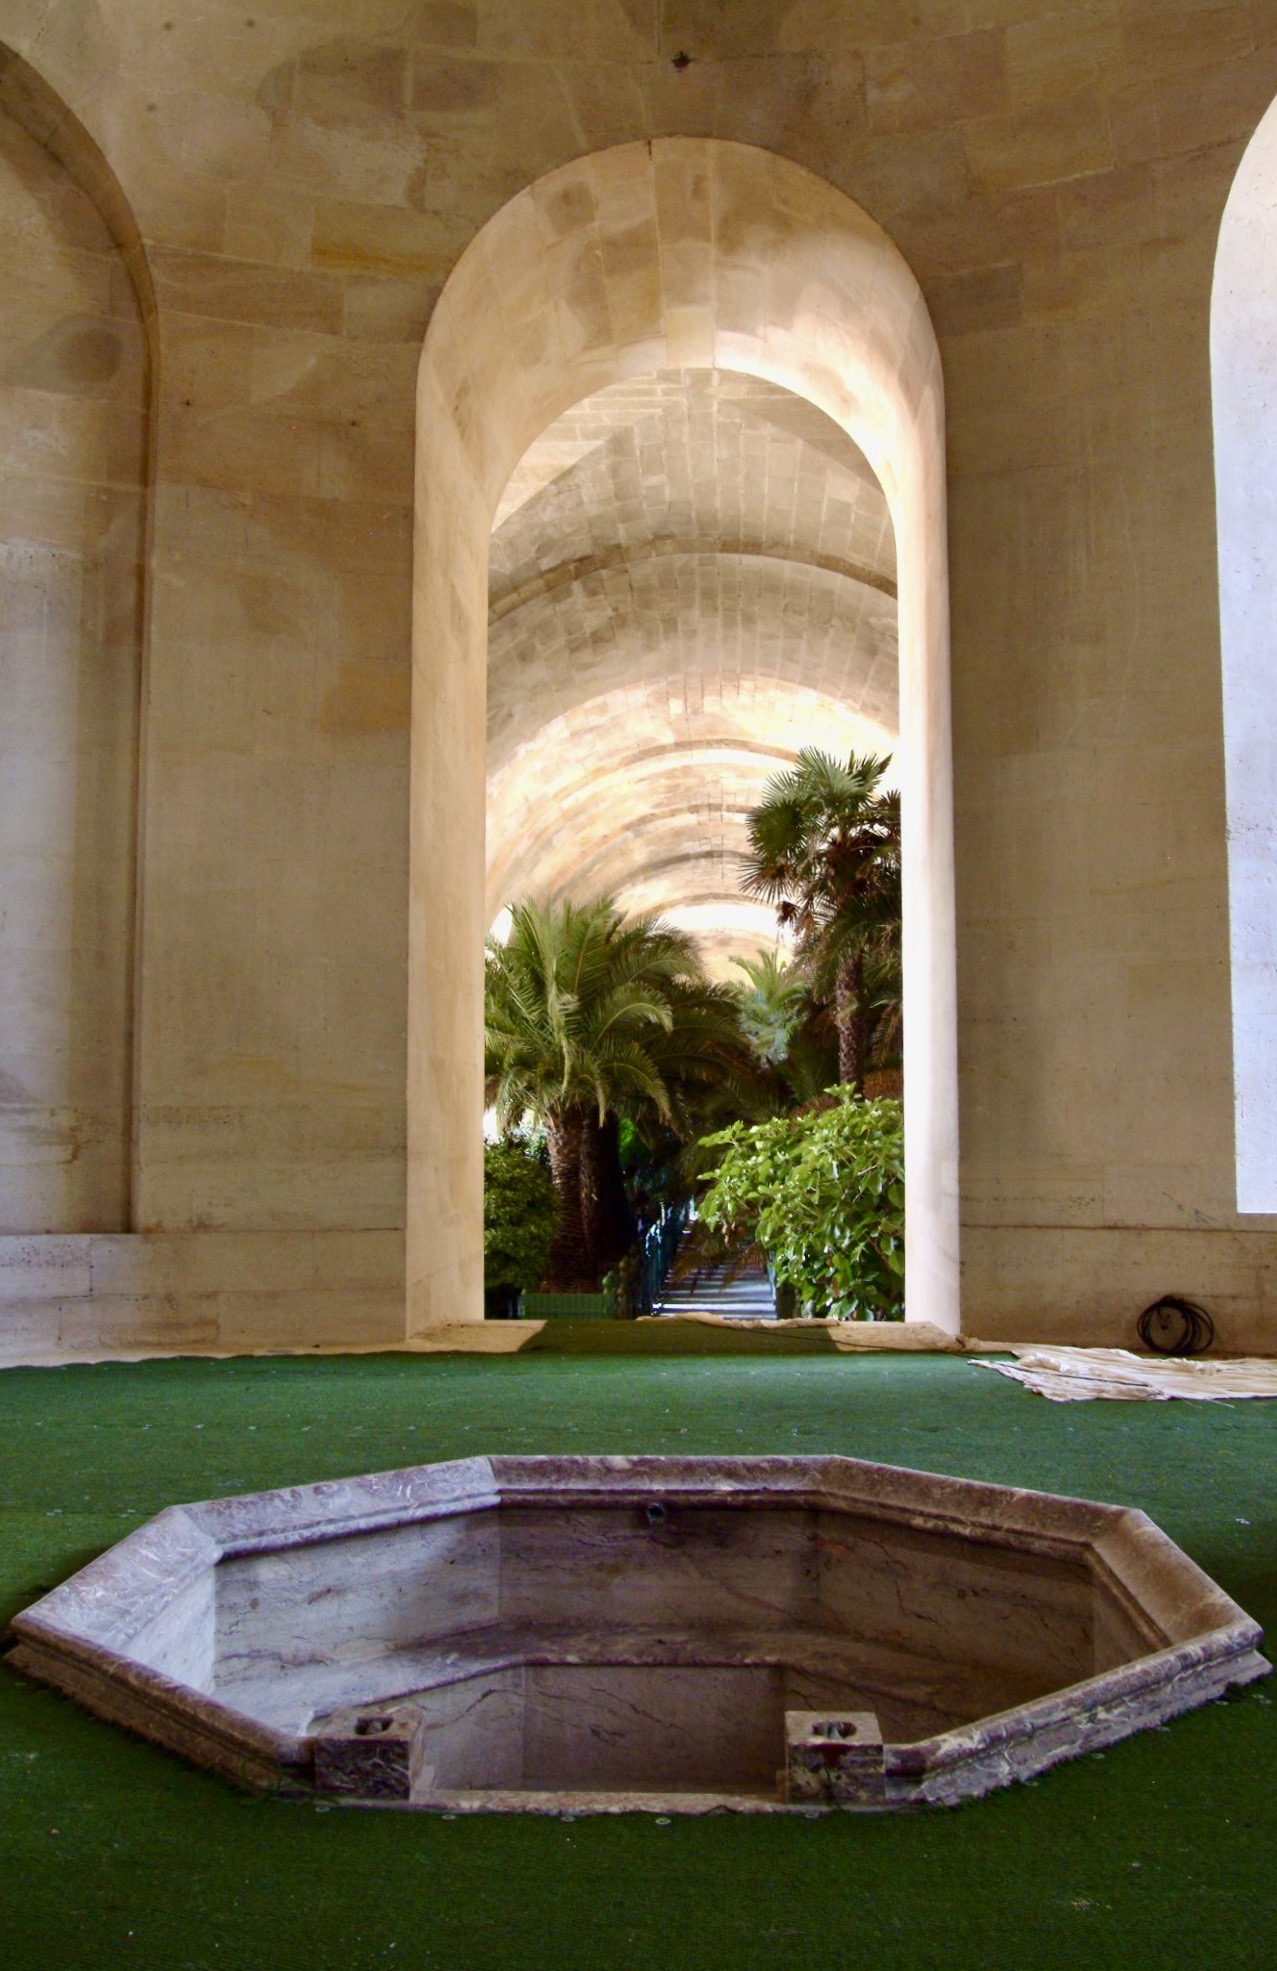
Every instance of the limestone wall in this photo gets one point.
(89, 1296)
(1054, 175)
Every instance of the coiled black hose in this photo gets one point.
(1174, 1326)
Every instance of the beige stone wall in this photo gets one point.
(1053, 174)
(271, 1064)
(90, 1296)
(1093, 951)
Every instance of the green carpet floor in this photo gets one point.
(1160, 1852)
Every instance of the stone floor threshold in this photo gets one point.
(508, 1337)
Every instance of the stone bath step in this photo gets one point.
(914, 1694)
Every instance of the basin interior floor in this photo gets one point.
(1158, 1852)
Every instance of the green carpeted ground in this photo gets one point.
(1160, 1852)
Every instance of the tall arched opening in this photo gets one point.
(76, 392)
(677, 253)
(1244, 392)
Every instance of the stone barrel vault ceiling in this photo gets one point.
(692, 575)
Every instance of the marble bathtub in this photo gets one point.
(610, 1633)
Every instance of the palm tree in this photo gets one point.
(772, 1002)
(591, 1017)
(825, 851)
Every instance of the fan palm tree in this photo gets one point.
(772, 1001)
(591, 1017)
(825, 852)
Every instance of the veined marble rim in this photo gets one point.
(1200, 1640)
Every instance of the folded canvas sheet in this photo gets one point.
(1079, 1375)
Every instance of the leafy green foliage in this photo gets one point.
(520, 1213)
(824, 1196)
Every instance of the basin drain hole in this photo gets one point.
(656, 1514)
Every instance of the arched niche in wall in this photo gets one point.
(678, 253)
(75, 391)
(1244, 386)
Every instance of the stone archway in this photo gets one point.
(676, 253)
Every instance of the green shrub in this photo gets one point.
(824, 1196)
(520, 1215)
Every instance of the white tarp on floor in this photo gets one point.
(1079, 1375)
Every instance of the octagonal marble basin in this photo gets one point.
(609, 1633)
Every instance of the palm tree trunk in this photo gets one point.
(605, 1210)
(568, 1269)
(851, 1016)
